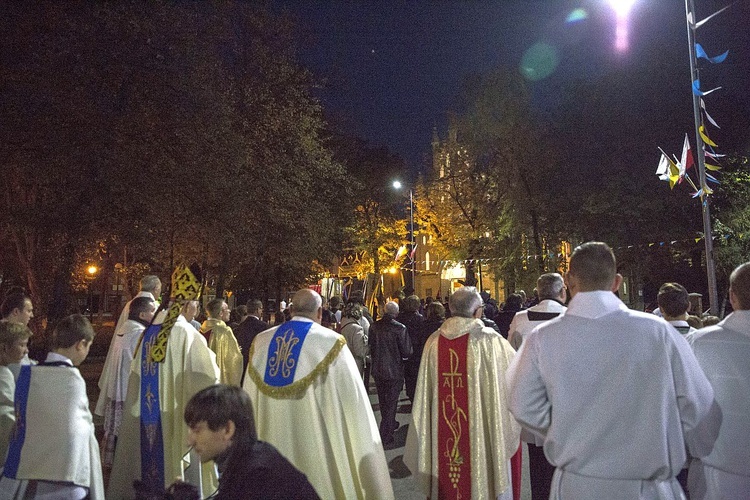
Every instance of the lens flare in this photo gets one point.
(539, 61)
(576, 15)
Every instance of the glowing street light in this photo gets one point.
(92, 270)
(397, 185)
(622, 10)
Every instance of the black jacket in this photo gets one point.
(389, 345)
(245, 333)
(258, 470)
(414, 323)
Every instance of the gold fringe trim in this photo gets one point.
(295, 389)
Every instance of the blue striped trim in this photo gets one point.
(21, 399)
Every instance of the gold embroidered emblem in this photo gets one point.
(454, 417)
(282, 356)
(150, 399)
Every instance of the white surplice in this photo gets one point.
(617, 394)
(723, 351)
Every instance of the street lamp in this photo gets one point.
(91, 271)
(398, 185)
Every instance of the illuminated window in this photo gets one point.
(427, 261)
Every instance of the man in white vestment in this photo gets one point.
(616, 394)
(171, 364)
(310, 403)
(463, 436)
(53, 452)
(674, 302)
(550, 288)
(114, 383)
(723, 351)
(151, 289)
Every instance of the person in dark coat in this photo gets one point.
(414, 323)
(389, 346)
(251, 326)
(435, 318)
(503, 319)
(222, 429)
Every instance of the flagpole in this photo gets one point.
(707, 232)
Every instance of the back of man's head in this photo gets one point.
(254, 306)
(213, 308)
(152, 284)
(550, 286)
(306, 302)
(410, 304)
(217, 405)
(139, 305)
(739, 286)
(15, 299)
(357, 297)
(594, 267)
(391, 308)
(70, 330)
(464, 302)
(673, 300)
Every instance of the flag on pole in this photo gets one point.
(413, 252)
(687, 157)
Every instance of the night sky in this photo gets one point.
(391, 70)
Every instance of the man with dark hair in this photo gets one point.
(410, 317)
(550, 288)
(628, 395)
(249, 328)
(723, 352)
(674, 302)
(54, 452)
(463, 436)
(222, 429)
(221, 341)
(309, 402)
(17, 307)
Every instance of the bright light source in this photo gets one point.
(622, 7)
(622, 10)
(393, 270)
(92, 270)
(397, 184)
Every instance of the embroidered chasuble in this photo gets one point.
(309, 402)
(171, 364)
(463, 435)
(454, 469)
(222, 342)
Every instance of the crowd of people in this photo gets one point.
(646, 405)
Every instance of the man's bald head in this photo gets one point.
(739, 287)
(307, 303)
(593, 267)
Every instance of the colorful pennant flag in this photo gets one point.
(699, 52)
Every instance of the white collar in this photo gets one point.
(54, 357)
(594, 304)
(302, 318)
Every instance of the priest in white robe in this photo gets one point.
(463, 435)
(222, 342)
(173, 362)
(310, 403)
(114, 382)
(616, 394)
(723, 351)
(150, 289)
